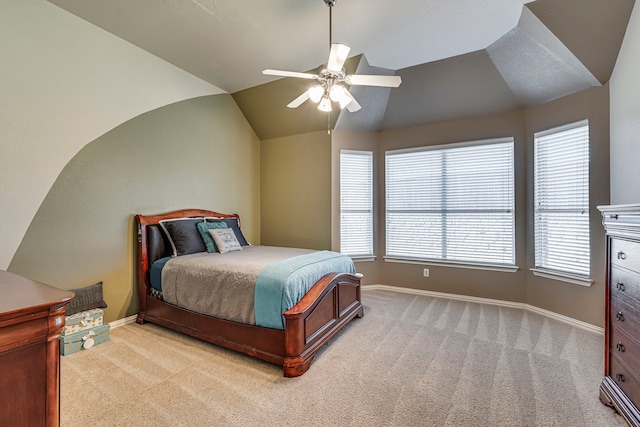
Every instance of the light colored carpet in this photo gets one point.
(410, 361)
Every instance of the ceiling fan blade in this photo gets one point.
(352, 106)
(364, 80)
(299, 100)
(289, 74)
(337, 56)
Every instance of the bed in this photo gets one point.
(329, 304)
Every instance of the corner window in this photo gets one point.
(356, 203)
(561, 198)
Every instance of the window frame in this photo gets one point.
(370, 211)
(541, 268)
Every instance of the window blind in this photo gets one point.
(561, 187)
(452, 203)
(356, 202)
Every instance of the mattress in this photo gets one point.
(253, 286)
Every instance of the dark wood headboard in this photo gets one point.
(153, 245)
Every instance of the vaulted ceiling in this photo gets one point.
(457, 58)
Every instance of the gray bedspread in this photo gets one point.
(220, 285)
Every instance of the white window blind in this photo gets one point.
(356, 202)
(561, 181)
(453, 203)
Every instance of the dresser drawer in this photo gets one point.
(625, 285)
(617, 219)
(625, 254)
(623, 314)
(625, 379)
(625, 348)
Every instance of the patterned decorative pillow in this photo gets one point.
(87, 298)
(226, 240)
(203, 229)
(231, 223)
(183, 235)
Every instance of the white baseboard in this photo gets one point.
(510, 304)
(122, 322)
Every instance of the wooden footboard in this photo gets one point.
(328, 306)
(332, 302)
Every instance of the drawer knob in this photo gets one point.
(622, 255)
(620, 347)
(613, 216)
(620, 377)
(620, 286)
(620, 316)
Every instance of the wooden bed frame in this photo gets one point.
(328, 306)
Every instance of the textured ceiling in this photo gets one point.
(457, 58)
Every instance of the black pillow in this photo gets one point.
(183, 235)
(86, 298)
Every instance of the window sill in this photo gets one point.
(468, 265)
(564, 277)
(362, 258)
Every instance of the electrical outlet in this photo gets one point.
(425, 272)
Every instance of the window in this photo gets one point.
(561, 198)
(356, 203)
(453, 203)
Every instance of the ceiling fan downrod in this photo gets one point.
(330, 4)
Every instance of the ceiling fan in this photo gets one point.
(330, 80)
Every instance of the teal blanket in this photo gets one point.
(282, 284)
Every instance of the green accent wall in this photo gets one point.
(295, 191)
(199, 153)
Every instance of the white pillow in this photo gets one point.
(225, 239)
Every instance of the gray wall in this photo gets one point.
(486, 284)
(199, 153)
(625, 117)
(579, 302)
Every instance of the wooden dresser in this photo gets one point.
(620, 387)
(31, 320)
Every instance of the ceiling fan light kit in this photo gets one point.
(330, 79)
(338, 94)
(325, 104)
(316, 93)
